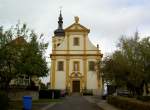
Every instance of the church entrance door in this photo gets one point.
(76, 86)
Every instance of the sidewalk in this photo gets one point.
(42, 106)
(48, 106)
(101, 103)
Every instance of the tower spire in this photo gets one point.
(60, 31)
(60, 21)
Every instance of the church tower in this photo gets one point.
(74, 59)
(59, 33)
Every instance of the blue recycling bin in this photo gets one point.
(27, 102)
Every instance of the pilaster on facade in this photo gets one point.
(53, 66)
(67, 71)
(68, 44)
(85, 72)
(84, 42)
(85, 60)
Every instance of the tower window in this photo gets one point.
(91, 66)
(60, 66)
(76, 41)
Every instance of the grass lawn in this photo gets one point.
(18, 105)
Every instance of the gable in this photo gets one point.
(76, 27)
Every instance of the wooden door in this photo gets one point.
(76, 86)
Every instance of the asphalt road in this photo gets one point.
(75, 103)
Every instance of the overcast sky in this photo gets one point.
(107, 19)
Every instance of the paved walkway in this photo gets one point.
(101, 103)
(75, 103)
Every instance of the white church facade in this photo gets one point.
(74, 59)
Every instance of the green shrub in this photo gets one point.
(49, 94)
(127, 103)
(144, 98)
(3, 101)
(87, 92)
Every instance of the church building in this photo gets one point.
(74, 59)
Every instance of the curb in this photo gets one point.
(48, 106)
(100, 107)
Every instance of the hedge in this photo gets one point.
(3, 101)
(49, 94)
(144, 98)
(127, 103)
(87, 92)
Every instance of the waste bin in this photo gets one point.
(27, 103)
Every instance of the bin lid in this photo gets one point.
(27, 97)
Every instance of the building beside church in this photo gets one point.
(74, 59)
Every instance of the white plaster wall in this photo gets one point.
(91, 80)
(91, 77)
(63, 45)
(57, 40)
(60, 76)
(90, 46)
(60, 80)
